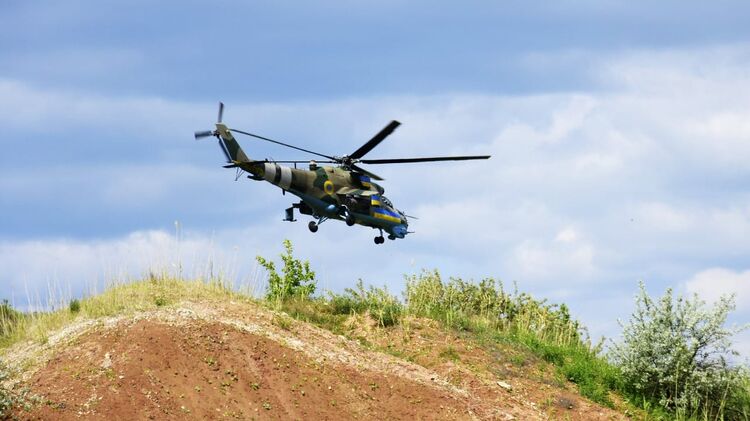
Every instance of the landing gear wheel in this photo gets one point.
(379, 240)
(349, 219)
(312, 226)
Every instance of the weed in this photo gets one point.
(281, 321)
(450, 353)
(298, 279)
(518, 360)
(74, 306)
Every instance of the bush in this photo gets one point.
(74, 306)
(676, 353)
(6, 398)
(298, 281)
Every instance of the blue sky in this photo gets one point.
(620, 135)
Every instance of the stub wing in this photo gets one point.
(350, 191)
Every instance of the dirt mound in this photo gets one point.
(240, 361)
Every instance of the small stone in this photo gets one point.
(505, 386)
(107, 363)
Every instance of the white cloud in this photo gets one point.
(60, 268)
(567, 235)
(648, 173)
(711, 284)
(663, 217)
(537, 261)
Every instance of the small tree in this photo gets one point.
(297, 280)
(675, 352)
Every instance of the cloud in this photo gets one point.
(711, 284)
(36, 271)
(643, 176)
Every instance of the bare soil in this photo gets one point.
(241, 361)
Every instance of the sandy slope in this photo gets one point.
(242, 361)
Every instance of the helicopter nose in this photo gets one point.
(400, 231)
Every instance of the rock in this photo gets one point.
(107, 363)
(505, 386)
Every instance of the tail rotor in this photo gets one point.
(208, 133)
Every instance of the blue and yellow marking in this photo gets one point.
(375, 200)
(386, 215)
(328, 187)
(365, 180)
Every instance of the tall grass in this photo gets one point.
(546, 329)
(484, 309)
(120, 298)
(462, 304)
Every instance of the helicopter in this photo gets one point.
(344, 192)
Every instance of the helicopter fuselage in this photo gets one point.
(333, 193)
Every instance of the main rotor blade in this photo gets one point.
(367, 147)
(273, 161)
(202, 134)
(368, 173)
(283, 144)
(430, 159)
(221, 111)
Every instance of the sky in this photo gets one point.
(619, 133)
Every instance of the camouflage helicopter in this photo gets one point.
(344, 192)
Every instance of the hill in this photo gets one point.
(169, 349)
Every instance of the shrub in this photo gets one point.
(7, 400)
(298, 281)
(74, 306)
(675, 352)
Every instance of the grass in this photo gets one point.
(118, 299)
(483, 312)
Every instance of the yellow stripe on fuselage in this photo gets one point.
(388, 218)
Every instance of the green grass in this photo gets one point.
(483, 312)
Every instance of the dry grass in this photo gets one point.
(119, 298)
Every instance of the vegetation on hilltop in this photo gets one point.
(672, 363)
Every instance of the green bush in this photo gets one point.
(74, 306)
(6, 398)
(297, 279)
(676, 353)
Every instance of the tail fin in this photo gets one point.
(229, 145)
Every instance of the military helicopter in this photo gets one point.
(343, 192)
